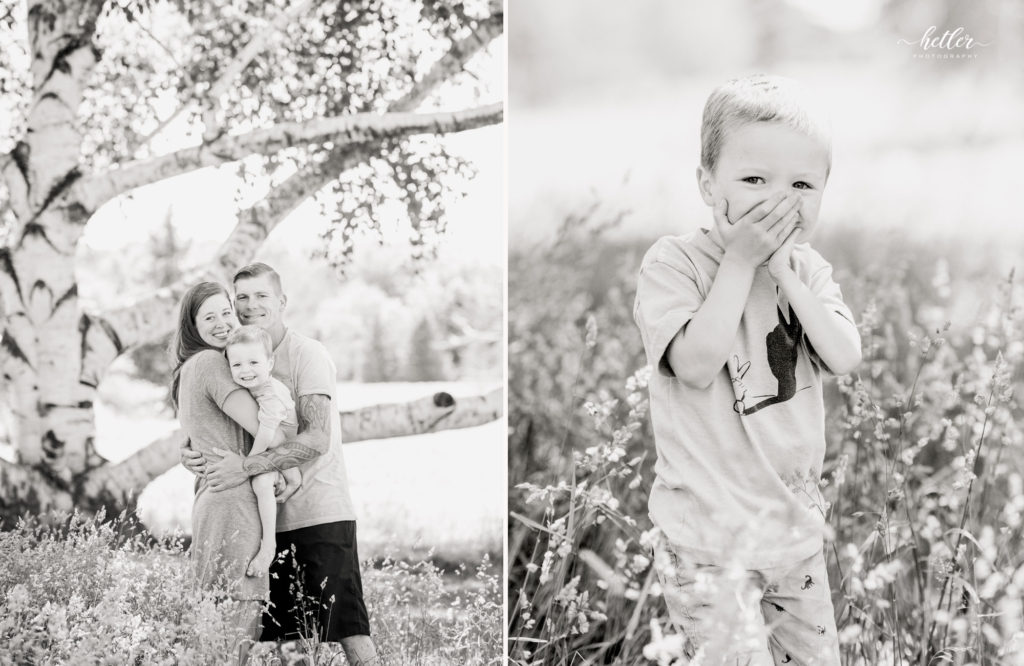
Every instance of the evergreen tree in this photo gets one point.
(426, 360)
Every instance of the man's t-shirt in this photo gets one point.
(304, 366)
(738, 462)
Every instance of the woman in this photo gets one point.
(212, 410)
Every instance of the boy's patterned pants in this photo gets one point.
(780, 615)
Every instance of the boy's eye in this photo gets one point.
(801, 185)
(753, 180)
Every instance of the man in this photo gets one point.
(317, 522)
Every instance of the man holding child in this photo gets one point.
(316, 526)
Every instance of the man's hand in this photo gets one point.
(192, 460)
(225, 470)
(761, 231)
(284, 490)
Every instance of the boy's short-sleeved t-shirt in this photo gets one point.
(303, 365)
(739, 462)
(277, 409)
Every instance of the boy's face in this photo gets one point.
(249, 363)
(761, 159)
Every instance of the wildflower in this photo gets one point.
(591, 337)
(18, 598)
(664, 649)
(850, 633)
(545, 567)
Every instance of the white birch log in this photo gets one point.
(115, 484)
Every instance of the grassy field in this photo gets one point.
(922, 473)
(79, 590)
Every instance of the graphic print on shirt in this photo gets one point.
(782, 344)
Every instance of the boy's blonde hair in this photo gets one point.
(755, 99)
(248, 334)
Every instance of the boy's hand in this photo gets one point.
(780, 264)
(287, 489)
(753, 238)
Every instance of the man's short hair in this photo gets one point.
(257, 269)
(759, 98)
(250, 334)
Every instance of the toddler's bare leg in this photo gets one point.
(263, 486)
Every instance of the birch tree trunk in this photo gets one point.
(52, 353)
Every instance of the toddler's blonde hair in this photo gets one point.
(248, 334)
(756, 99)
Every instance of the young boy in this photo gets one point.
(250, 356)
(740, 323)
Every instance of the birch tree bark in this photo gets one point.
(324, 122)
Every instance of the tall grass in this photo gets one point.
(922, 475)
(75, 589)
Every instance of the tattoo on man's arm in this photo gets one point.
(312, 440)
(289, 454)
(313, 411)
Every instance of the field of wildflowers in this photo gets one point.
(923, 474)
(83, 590)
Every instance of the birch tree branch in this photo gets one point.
(230, 73)
(114, 483)
(242, 60)
(343, 131)
(451, 63)
(256, 46)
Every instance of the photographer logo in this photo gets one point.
(956, 44)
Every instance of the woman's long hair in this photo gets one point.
(186, 341)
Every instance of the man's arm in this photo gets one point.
(226, 469)
(312, 439)
(191, 459)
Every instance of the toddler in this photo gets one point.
(741, 322)
(250, 356)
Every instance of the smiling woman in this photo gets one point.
(225, 525)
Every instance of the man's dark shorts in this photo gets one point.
(329, 600)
